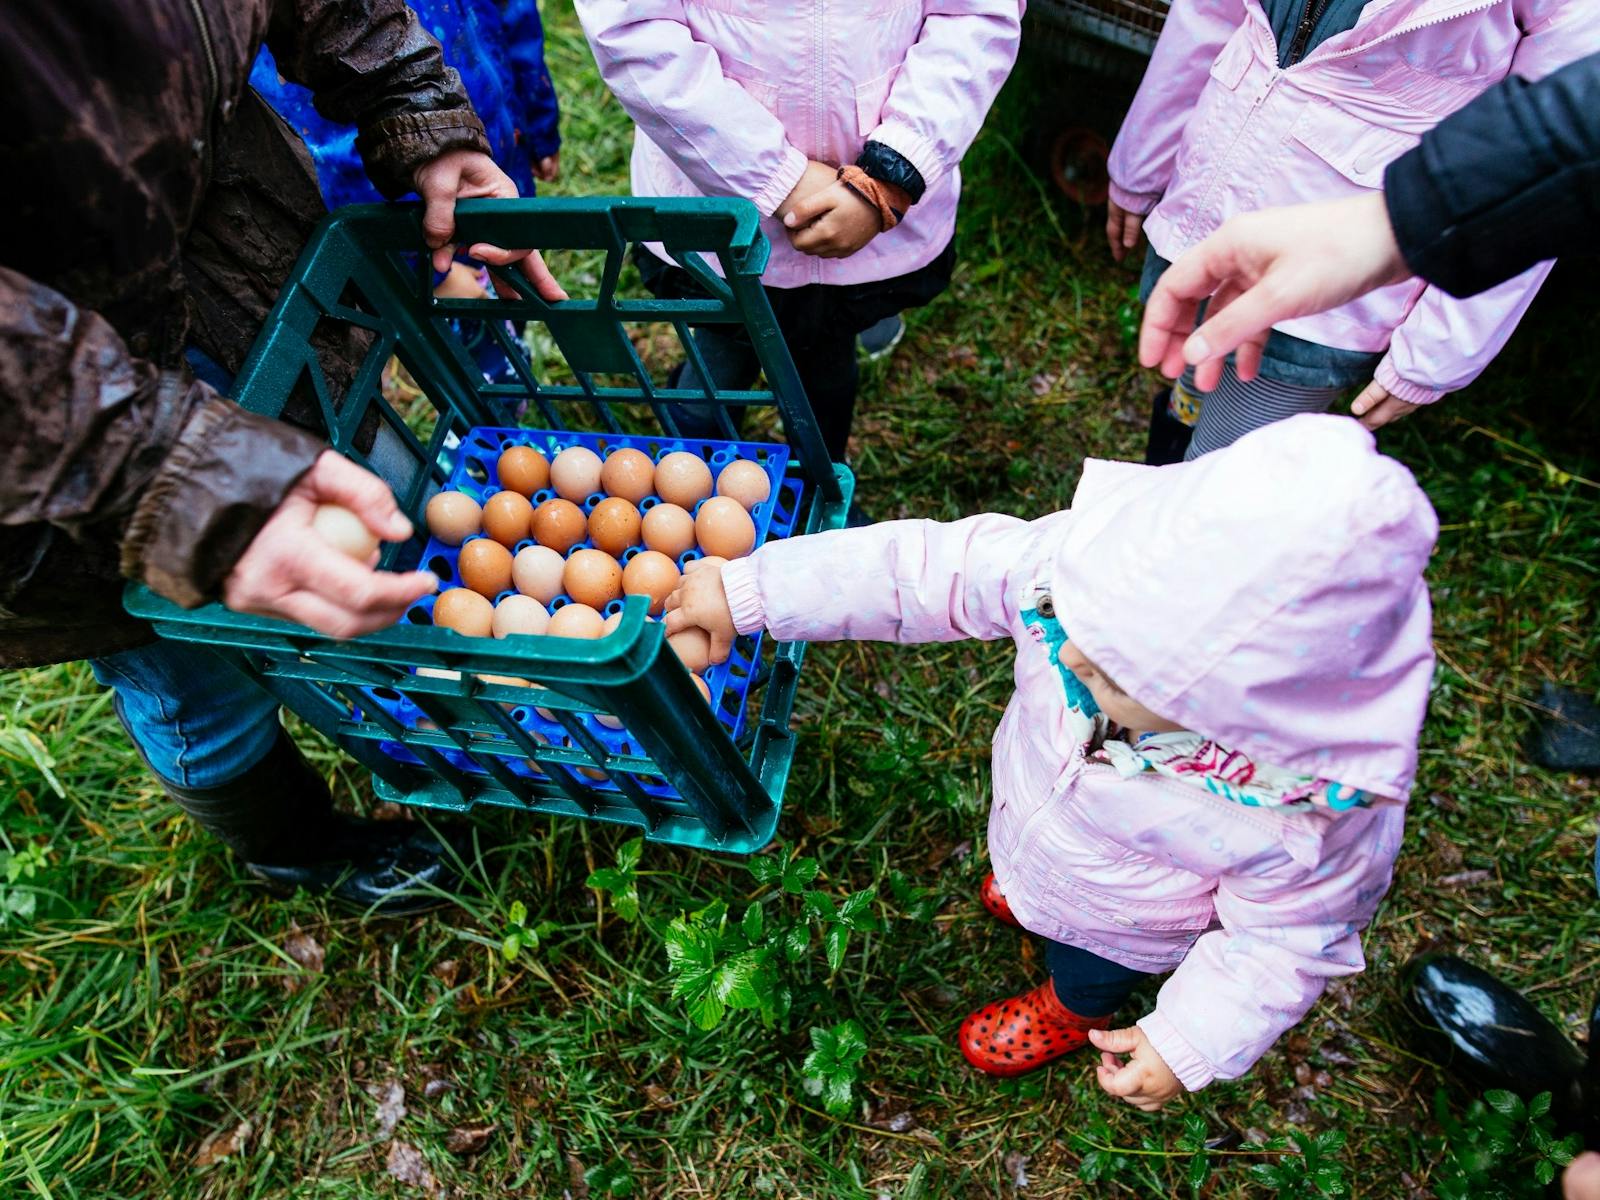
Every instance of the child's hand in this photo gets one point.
(1144, 1081)
(816, 177)
(548, 168)
(833, 223)
(700, 602)
(1122, 229)
(1375, 407)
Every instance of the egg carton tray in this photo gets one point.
(578, 726)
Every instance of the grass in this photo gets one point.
(155, 1012)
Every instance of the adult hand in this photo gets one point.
(289, 571)
(832, 223)
(1375, 407)
(464, 175)
(1122, 229)
(699, 602)
(1144, 1081)
(548, 168)
(1259, 269)
(1581, 1179)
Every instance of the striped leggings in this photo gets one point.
(1233, 408)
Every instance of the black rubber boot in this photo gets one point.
(1489, 1034)
(278, 817)
(1169, 437)
(1567, 738)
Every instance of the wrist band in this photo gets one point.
(890, 201)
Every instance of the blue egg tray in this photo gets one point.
(474, 473)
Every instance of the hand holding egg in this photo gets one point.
(291, 570)
(699, 602)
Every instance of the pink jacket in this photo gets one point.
(1268, 596)
(1217, 129)
(731, 97)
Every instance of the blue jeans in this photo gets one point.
(199, 720)
(1087, 984)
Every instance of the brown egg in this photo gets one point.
(683, 479)
(668, 529)
(464, 611)
(705, 691)
(453, 517)
(744, 481)
(693, 648)
(523, 469)
(519, 614)
(593, 577)
(485, 567)
(460, 282)
(628, 473)
(611, 623)
(650, 573)
(506, 517)
(576, 621)
(614, 525)
(723, 528)
(344, 531)
(559, 524)
(536, 571)
(575, 473)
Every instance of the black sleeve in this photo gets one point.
(1510, 180)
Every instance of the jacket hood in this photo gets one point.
(1268, 596)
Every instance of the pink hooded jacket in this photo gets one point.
(732, 97)
(1218, 128)
(1268, 596)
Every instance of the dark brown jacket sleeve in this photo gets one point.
(371, 64)
(150, 468)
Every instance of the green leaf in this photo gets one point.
(796, 942)
(768, 869)
(1199, 1170)
(626, 904)
(518, 915)
(1092, 1165)
(752, 924)
(835, 941)
(607, 879)
(1507, 1104)
(798, 873)
(629, 853)
(836, 1093)
(705, 1010)
(512, 945)
(1544, 1171)
(820, 906)
(734, 982)
(1538, 1106)
(856, 911)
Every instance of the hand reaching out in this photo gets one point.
(1375, 407)
(1144, 1081)
(699, 601)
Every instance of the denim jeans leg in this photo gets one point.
(199, 720)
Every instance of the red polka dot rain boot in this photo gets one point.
(1022, 1034)
(995, 902)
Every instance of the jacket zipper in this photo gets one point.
(1481, 6)
(1309, 16)
(214, 81)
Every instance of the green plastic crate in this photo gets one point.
(364, 270)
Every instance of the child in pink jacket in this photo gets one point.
(844, 123)
(1253, 103)
(1221, 669)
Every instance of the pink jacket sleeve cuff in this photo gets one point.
(1193, 1071)
(917, 149)
(1134, 202)
(781, 184)
(743, 590)
(1403, 389)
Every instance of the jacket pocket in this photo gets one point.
(1357, 150)
(763, 91)
(1428, 91)
(871, 97)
